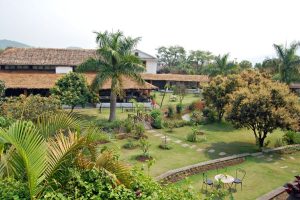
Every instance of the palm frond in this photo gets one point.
(30, 146)
(59, 148)
(107, 160)
(49, 124)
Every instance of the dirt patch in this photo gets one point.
(143, 158)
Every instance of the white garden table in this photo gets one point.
(225, 179)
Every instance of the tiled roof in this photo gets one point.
(32, 80)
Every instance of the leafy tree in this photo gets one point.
(114, 61)
(216, 93)
(72, 90)
(171, 56)
(245, 64)
(2, 88)
(288, 62)
(200, 58)
(262, 105)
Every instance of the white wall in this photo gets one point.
(63, 70)
(151, 66)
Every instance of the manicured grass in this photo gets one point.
(94, 113)
(220, 137)
(262, 175)
(189, 98)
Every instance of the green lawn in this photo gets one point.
(189, 98)
(220, 137)
(263, 175)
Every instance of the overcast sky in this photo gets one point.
(244, 28)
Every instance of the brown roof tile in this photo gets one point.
(45, 56)
(32, 80)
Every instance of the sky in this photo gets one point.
(247, 29)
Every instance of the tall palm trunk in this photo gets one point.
(113, 105)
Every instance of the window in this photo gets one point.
(136, 53)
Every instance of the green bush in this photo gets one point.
(191, 137)
(279, 142)
(165, 146)
(29, 108)
(145, 145)
(11, 189)
(157, 118)
(169, 124)
(128, 125)
(4, 122)
(139, 130)
(179, 108)
(108, 126)
(170, 111)
(291, 137)
(209, 115)
(130, 145)
(89, 184)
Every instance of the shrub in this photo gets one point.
(139, 130)
(179, 108)
(128, 125)
(130, 145)
(11, 189)
(89, 184)
(145, 145)
(165, 146)
(279, 142)
(197, 105)
(169, 124)
(108, 126)
(29, 108)
(170, 112)
(4, 122)
(157, 118)
(192, 137)
(196, 118)
(291, 137)
(209, 115)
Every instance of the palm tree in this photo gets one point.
(38, 151)
(221, 66)
(289, 62)
(114, 61)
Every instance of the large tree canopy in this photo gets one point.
(115, 59)
(216, 93)
(262, 105)
(171, 56)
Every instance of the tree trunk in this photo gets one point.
(113, 104)
(162, 100)
(261, 141)
(220, 116)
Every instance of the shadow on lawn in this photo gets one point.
(232, 148)
(218, 127)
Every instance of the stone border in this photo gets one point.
(180, 173)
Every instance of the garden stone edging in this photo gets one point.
(180, 173)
